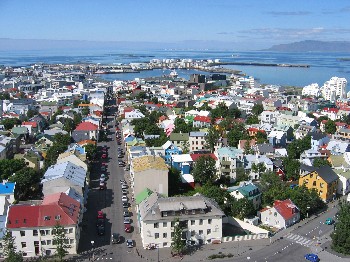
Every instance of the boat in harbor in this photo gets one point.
(174, 73)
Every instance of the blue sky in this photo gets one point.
(253, 23)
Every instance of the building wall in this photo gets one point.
(154, 179)
(272, 218)
(198, 229)
(197, 143)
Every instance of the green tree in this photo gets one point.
(345, 119)
(252, 119)
(241, 175)
(298, 146)
(9, 123)
(31, 113)
(181, 126)
(318, 162)
(257, 109)
(341, 234)
(222, 197)
(330, 127)
(77, 118)
(291, 168)
(27, 183)
(91, 151)
(85, 111)
(234, 113)
(204, 170)
(54, 116)
(9, 248)
(211, 139)
(321, 118)
(5, 96)
(52, 154)
(242, 208)
(69, 125)
(247, 148)
(221, 110)
(174, 181)
(62, 139)
(258, 168)
(10, 166)
(59, 237)
(236, 133)
(261, 137)
(178, 245)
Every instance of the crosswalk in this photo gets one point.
(299, 239)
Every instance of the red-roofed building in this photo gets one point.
(32, 225)
(201, 121)
(283, 214)
(252, 131)
(332, 113)
(32, 127)
(85, 131)
(196, 156)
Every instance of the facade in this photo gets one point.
(149, 172)
(249, 191)
(283, 214)
(85, 131)
(230, 159)
(197, 141)
(323, 179)
(334, 88)
(312, 90)
(32, 225)
(200, 217)
(179, 139)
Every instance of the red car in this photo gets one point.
(127, 228)
(104, 155)
(100, 214)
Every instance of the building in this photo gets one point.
(230, 159)
(200, 217)
(312, 90)
(197, 141)
(85, 131)
(32, 225)
(334, 88)
(149, 172)
(249, 191)
(323, 179)
(283, 214)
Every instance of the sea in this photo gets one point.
(323, 66)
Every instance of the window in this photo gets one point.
(172, 234)
(314, 183)
(200, 232)
(156, 235)
(58, 217)
(71, 241)
(47, 217)
(321, 185)
(165, 224)
(48, 242)
(24, 254)
(165, 244)
(193, 222)
(209, 221)
(70, 230)
(24, 221)
(24, 244)
(172, 223)
(275, 214)
(321, 192)
(43, 242)
(165, 214)
(193, 212)
(35, 232)
(23, 233)
(193, 233)
(156, 225)
(201, 221)
(208, 231)
(165, 235)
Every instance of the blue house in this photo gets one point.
(277, 139)
(7, 197)
(169, 150)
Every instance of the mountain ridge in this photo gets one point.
(312, 46)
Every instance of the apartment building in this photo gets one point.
(197, 141)
(230, 159)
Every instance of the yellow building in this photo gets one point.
(323, 179)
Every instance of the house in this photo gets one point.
(184, 163)
(338, 147)
(318, 140)
(199, 216)
(134, 114)
(268, 117)
(277, 139)
(283, 214)
(251, 160)
(197, 141)
(32, 225)
(323, 179)
(149, 172)
(308, 156)
(179, 139)
(7, 198)
(230, 159)
(32, 127)
(331, 113)
(32, 159)
(169, 150)
(41, 121)
(201, 121)
(248, 191)
(85, 131)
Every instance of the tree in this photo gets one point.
(31, 113)
(252, 119)
(9, 123)
(291, 168)
(341, 234)
(258, 168)
(211, 139)
(9, 248)
(247, 148)
(236, 133)
(181, 126)
(77, 118)
(298, 146)
(242, 208)
(204, 170)
(69, 125)
(91, 151)
(27, 183)
(330, 127)
(5, 96)
(241, 175)
(234, 113)
(52, 154)
(62, 139)
(10, 166)
(321, 118)
(257, 109)
(59, 237)
(318, 162)
(85, 111)
(221, 110)
(261, 137)
(178, 245)
(174, 181)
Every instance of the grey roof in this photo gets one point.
(307, 168)
(198, 133)
(327, 174)
(265, 148)
(317, 136)
(151, 208)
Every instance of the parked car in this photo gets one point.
(125, 204)
(102, 178)
(329, 221)
(103, 168)
(101, 230)
(104, 156)
(129, 243)
(124, 191)
(126, 213)
(127, 228)
(116, 238)
(100, 214)
(124, 198)
(127, 220)
(312, 257)
(100, 222)
(125, 186)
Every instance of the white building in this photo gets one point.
(197, 141)
(200, 217)
(312, 90)
(32, 225)
(334, 88)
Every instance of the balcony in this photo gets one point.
(226, 163)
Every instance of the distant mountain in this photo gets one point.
(312, 46)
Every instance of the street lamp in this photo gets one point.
(307, 212)
(93, 254)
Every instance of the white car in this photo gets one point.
(124, 198)
(125, 186)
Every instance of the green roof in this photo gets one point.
(46, 103)
(19, 130)
(338, 161)
(143, 195)
(341, 172)
(179, 137)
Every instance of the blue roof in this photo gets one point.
(129, 139)
(231, 152)
(7, 188)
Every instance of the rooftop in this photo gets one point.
(148, 162)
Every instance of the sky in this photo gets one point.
(248, 24)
